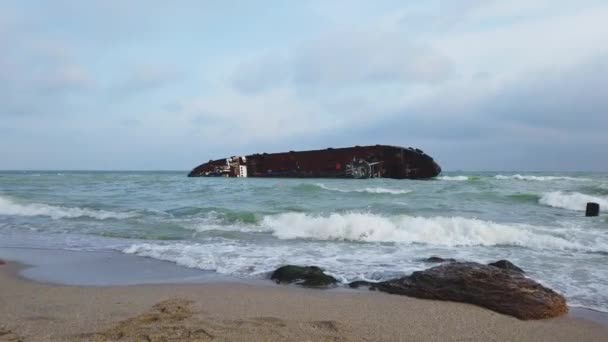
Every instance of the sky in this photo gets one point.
(167, 85)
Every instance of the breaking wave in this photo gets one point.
(376, 190)
(454, 178)
(571, 200)
(441, 231)
(599, 189)
(538, 178)
(8, 207)
(243, 258)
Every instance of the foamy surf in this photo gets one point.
(376, 190)
(189, 255)
(539, 178)
(439, 231)
(225, 257)
(9, 207)
(571, 200)
(355, 229)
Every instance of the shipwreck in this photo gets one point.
(360, 162)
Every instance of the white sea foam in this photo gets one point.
(9, 207)
(453, 178)
(192, 256)
(251, 260)
(413, 237)
(440, 231)
(225, 257)
(571, 200)
(538, 178)
(376, 190)
(348, 262)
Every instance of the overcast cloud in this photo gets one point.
(479, 85)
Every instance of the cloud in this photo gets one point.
(369, 57)
(346, 58)
(565, 99)
(271, 116)
(142, 78)
(39, 75)
(539, 121)
(553, 40)
(471, 90)
(477, 84)
(65, 78)
(263, 72)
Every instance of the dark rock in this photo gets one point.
(491, 287)
(506, 265)
(2, 262)
(593, 209)
(358, 283)
(310, 276)
(438, 259)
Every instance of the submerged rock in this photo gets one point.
(438, 259)
(506, 265)
(310, 276)
(491, 287)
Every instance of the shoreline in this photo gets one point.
(230, 309)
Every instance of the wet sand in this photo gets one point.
(238, 311)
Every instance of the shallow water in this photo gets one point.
(356, 229)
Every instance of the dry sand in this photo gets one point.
(31, 311)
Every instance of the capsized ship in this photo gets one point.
(378, 161)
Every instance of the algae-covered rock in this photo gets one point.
(309, 276)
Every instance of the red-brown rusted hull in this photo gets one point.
(351, 162)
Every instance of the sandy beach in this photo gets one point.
(237, 311)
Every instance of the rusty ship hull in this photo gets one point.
(377, 161)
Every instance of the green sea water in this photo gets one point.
(356, 229)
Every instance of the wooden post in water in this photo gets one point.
(593, 209)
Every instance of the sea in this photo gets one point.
(373, 229)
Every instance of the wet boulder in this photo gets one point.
(438, 259)
(506, 265)
(309, 276)
(2, 262)
(497, 289)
